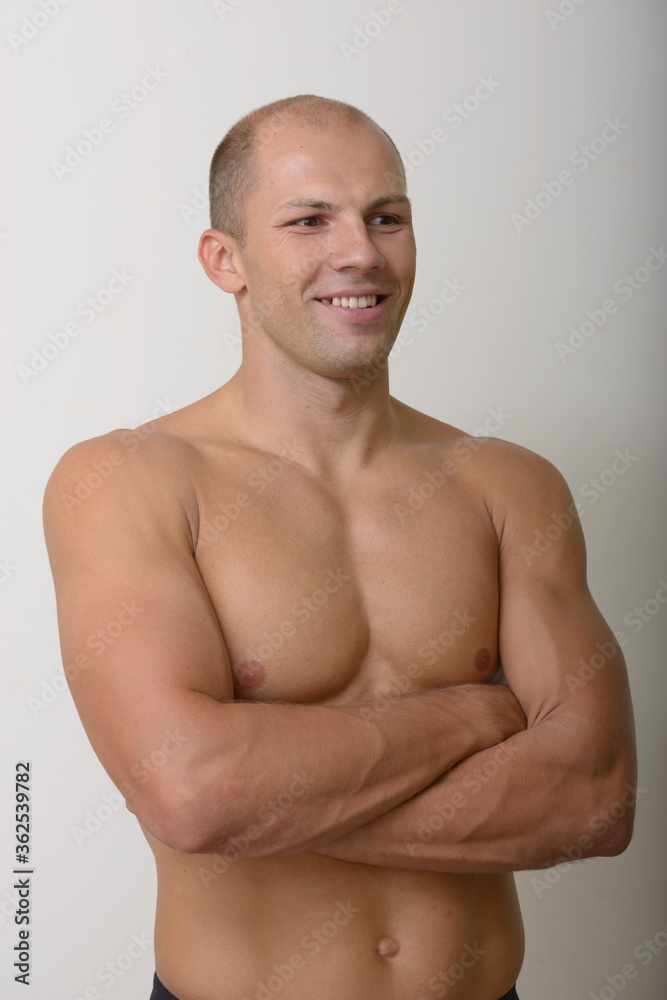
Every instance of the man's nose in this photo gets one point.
(351, 246)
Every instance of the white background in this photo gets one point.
(170, 337)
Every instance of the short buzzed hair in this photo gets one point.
(234, 169)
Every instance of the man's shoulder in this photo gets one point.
(138, 468)
(516, 483)
(484, 453)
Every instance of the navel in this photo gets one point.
(250, 674)
(482, 660)
(387, 947)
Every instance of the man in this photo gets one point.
(292, 697)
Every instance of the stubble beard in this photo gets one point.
(317, 346)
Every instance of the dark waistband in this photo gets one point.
(160, 992)
(512, 995)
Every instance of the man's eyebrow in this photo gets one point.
(328, 206)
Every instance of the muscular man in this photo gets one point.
(281, 610)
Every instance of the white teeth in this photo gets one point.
(363, 302)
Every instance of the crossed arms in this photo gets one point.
(473, 778)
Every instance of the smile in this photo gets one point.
(353, 302)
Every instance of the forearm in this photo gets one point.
(283, 778)
(527, 803)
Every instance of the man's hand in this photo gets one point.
(497, 713)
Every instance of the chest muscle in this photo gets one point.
(341, 603)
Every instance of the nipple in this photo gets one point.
(387, 947)
(250, 674)
(482, 660)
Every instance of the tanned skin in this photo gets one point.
(295, 698)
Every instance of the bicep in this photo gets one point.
(559, 655)
(141, 644)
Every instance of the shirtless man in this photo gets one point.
(280, 657)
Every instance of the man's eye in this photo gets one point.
(305, 223)
(385, 220)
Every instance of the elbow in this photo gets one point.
(612, 822)
(172, 823)
(180, 831)
(169, 811)
(618, 841)
(193, 820)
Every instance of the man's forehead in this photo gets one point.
(319, 157)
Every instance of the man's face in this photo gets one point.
(328, 219)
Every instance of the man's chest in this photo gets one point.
(340, 600)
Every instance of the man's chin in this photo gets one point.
(354, 363)
(366, 368)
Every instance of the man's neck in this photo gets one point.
(339, 424)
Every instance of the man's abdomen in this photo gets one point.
(305, 927)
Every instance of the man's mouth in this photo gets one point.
(353, 301)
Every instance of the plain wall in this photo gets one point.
(137, 204)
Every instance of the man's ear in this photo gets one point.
(219, 256)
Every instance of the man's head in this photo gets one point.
(309, 207)
(235, 170)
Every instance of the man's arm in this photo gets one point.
(566, 786)
(151, 679)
